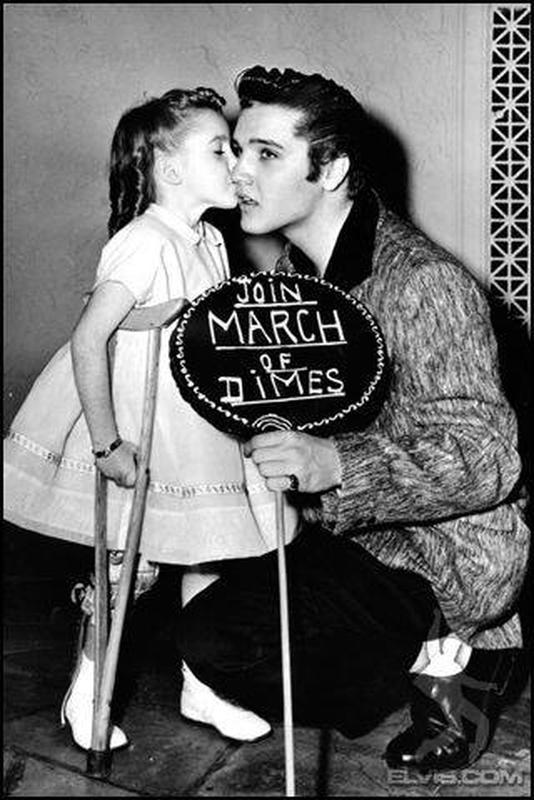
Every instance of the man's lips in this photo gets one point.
(245, 200)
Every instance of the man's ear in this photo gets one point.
(168, 169)
(335, 172)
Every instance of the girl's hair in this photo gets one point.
(333, 122)
(159, 123)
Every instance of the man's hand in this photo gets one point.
(312, 460)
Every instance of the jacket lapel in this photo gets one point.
(352, 258)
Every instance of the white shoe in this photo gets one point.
(77, 708)
(200, 704)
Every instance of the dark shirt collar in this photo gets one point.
(352, 256)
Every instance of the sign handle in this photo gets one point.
(286, 663)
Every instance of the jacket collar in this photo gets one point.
(352, 256)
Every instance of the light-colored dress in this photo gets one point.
(205, 500)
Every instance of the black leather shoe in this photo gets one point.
(453, 718)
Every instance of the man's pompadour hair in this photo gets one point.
(333, 121)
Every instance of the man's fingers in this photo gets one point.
(273, 469)
(281, 484)
(261, 440)
(264, 455)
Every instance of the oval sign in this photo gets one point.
(277, 351)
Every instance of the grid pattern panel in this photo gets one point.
(510, 157)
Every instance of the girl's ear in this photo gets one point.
(167, 168)
(335, 172)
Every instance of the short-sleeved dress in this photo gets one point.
(205, 500)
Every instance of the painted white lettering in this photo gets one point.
(279, 380)
(266, 362)
(258, 293)
(336, 384)
(244, 298)
(233, 388)
(260, 386)
(303, 312)
(231, 322)
(285, 360)
(254, 325)
(280, 322)
(315, 377)
(334, 326)
(290, 294)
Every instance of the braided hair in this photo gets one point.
(157, 124)
(332, 121)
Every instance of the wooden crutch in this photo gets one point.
(152, 319)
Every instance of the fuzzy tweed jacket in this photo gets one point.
(432, 484)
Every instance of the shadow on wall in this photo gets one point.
(387, 166)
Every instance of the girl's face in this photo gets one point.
(205, 161)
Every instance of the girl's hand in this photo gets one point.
(121, 466)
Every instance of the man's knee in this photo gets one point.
(201, 639)
(217, 630)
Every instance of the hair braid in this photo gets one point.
(157, 124)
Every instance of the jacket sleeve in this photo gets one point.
(444, 442)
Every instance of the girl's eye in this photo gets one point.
(267, 154)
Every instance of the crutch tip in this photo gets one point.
(98, 763)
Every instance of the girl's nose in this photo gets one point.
(231, 161)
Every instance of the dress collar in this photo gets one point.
(197, 234)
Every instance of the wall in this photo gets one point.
(71, 69)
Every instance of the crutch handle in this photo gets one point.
(158, 316)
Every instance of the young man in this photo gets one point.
(413, 547)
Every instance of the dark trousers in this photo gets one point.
(355, 627)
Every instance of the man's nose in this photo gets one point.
(240, 172)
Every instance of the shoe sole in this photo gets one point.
(225, 735)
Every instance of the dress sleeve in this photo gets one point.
(444, 443)
(133, 258)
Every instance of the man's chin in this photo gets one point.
(253, 226)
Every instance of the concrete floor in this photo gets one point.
(168, 756)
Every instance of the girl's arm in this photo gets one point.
(107, 307)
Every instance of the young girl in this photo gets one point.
(170, 161)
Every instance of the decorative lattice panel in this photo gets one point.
(510, 157)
